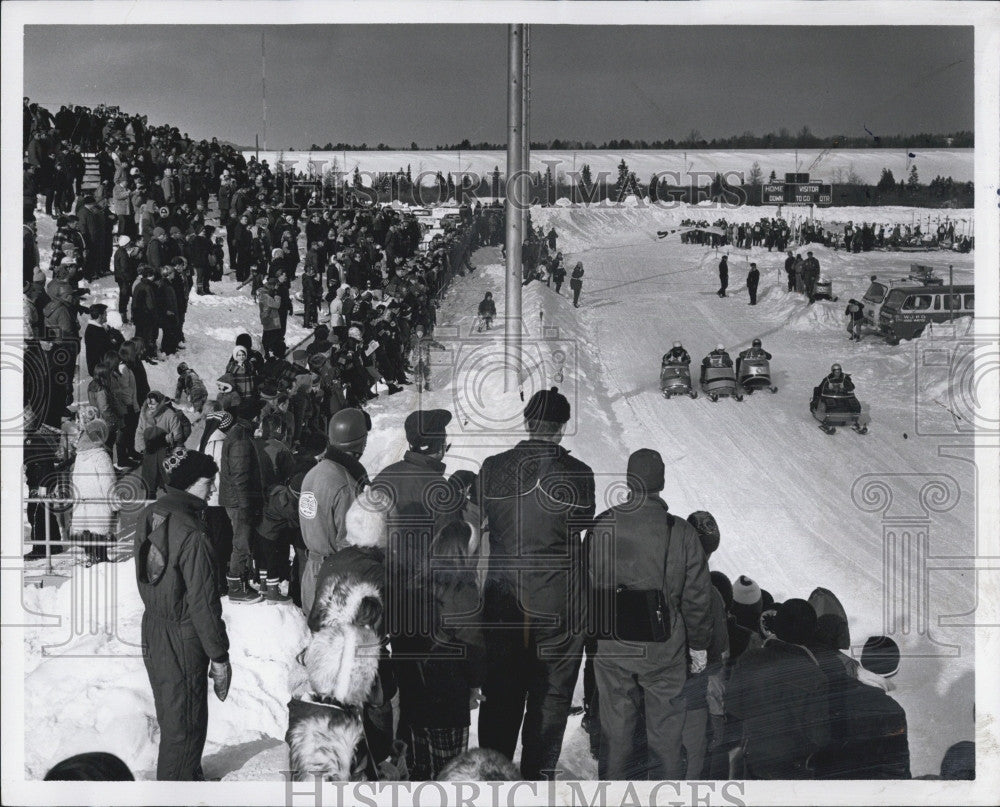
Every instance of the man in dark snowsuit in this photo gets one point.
(183, 635)
(538, 500)
(723, 276)
(753, 280)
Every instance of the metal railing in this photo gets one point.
(121, 530)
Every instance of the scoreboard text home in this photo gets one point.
(797, 190)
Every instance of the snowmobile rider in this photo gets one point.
(717, 358)
(755, 351)
(676, 355)
(837, 383)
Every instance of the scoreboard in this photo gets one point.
(797, 190)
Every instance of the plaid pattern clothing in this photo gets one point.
(434, 748)
(66, 237)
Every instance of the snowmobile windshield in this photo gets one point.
(876, 293)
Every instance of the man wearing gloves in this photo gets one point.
(184, 638)
(639, 553)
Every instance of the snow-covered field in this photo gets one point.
(791, 502)
(834, 166)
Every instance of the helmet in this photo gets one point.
(677, 344)
(348, 430)
(836, 368)
(757, 343)
(720, 347)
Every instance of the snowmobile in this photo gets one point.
(718, 382)
(833, 409)
(823, 290)
(675, 379)
(754, 374)
(483, 322)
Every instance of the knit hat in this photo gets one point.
(182, 467)
(95, 766)
(880, 656)
(645, 471)
(268, 390)
(794, 621)
(224, 418)
(245, 340)
(708, 530)
(182, 368)
(549, 406)
(747, 604)
(158, 231)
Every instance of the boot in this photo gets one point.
(239, 593)
(273, 593)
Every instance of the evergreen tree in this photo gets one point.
(654, 181)
(451, 186)
(357, 177)
(756, 175)
(887, 181)
(773, 177)
(913, 180)
(585, 178)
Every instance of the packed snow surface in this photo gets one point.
(797, 508)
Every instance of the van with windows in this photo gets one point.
(907, 310)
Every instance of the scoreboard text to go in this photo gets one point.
(812, 193)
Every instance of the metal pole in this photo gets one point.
(515, 133)
(263, 89)
(951, 297)
(526, 117)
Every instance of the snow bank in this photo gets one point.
(86, 687)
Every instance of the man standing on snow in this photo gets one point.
(640, 545)
(790, 270)
(753, 279)
(183, 636)
(810, 274)
(723, 276)
(328, 491)
(538, 500)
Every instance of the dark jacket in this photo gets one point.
(538, 500)
(420, 502)
(172, 545)
(239, 475)
(780, 694)
(280, 517)
(434, 688)
(144, 302)
(97, 341)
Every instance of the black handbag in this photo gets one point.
(640, 615)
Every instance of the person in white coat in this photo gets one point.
(93, 481)
(337, 308)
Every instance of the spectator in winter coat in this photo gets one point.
(244, 379)
(182, 628)
(780, 694)
(532, 661)
(240, 493)
(439, 687)
(158, 411)
(312, 290)
(558, 272)
(790, 270)
(145, 315)
(279, 529)
(855, 313)
(640, 545)
(753, 280)
(126, 268)
(487, 312)
(810, 274)
(227, 396)
(218, 422)
(157, 252)
(576, 283)
(93, 481)
(704, 692)
(269, 302)
(104, 393)
(99, 337)
(168, 311)
(202, 254)
(328, 491)
(868, 727)
(93, 223)
(723, 276)
(190, 385)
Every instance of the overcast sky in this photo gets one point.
(439, 83)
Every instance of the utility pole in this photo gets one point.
(263, 88)
(526, 115)
(514, 203)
